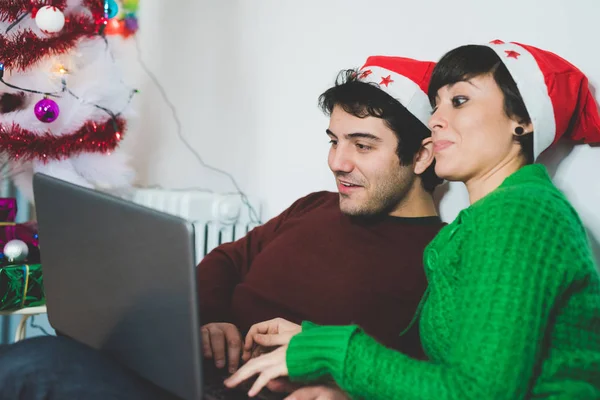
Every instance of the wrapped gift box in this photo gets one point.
(21, 286)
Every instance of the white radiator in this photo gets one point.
(217, 218)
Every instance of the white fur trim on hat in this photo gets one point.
(529, 78)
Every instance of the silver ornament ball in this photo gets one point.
(16, 250)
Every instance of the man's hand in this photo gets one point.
(219, 338)
(269, 334)
(318, 393)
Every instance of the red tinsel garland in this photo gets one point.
(21, 144)
(10, 10)
(25, 48)
(95, 6)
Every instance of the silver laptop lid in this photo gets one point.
(120, 277)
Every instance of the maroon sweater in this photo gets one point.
(314, 263)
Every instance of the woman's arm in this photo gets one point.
(515, 266)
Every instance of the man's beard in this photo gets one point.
(383, 200)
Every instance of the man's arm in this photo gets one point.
(217, 275)
(226, 266)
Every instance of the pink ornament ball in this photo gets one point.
(46, 110)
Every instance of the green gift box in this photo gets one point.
(21, 286)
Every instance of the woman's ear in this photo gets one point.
(528, 127)
(424, 156)
(521, 129)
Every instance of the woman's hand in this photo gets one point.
(267, 366)
(264, 336)
(318, 393)
(261, 338)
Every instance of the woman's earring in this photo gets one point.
(519, 131)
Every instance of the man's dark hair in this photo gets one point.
(363, 99)
(470, 61)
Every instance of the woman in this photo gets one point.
(513, 305)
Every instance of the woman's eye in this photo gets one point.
(458, 101)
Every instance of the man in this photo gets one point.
(352, 256)
(333, 258)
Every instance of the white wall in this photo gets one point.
(246, 80)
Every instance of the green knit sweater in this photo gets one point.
(512, 310)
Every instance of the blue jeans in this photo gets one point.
(58, 368)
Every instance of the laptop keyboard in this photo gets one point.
(214, 389)
(214, 392)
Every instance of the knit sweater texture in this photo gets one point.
(312, 262)
(512, 310)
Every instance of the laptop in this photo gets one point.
(120, 277)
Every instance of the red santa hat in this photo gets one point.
(556, 94)
(405, 79)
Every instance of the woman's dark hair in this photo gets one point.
(469, 61)
(365, 99)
